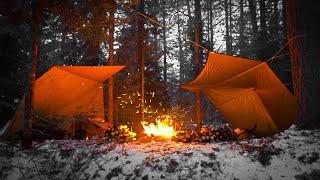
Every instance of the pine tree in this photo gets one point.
(29, 93)
(303, 37)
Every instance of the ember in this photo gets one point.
(163, 128)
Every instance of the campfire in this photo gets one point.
(163, 128)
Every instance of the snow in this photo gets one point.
(288, 155)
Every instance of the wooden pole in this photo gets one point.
(111, 63)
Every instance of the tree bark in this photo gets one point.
(227, 27)
(230, 26)
(181, 60)
(164, 41)
(111, 63)
(275, 18)
(197, 57)
(29, 94)
(211, 25)
(303, 37)
(253, 18)
(241, 29)
(262, 51)
(91, 54)
(141, 54)
(208, 25)
(190, 24)
(284, 19)
(198, 111)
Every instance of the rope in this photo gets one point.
(160, 24)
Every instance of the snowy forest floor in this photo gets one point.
(293, 154)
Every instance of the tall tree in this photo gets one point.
(227, 27)
(230, 26)
(141, 55)
(211, 24)
(181, 59)
(262, 40)
(241, 29)
(164, 40)
(197, 57)
(111, 63)
(303, 37)
(37, 7)
(275, 18)
(284, 18)
(253, 17)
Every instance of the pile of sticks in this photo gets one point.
(119, 134)
(208, 134)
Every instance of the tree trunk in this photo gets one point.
(284, 19)
(189, 9)
(181, 60)
(303, 37)
(227, 27)
(263, 33)
(164, 41)
(208, 26)
(111, 63)
(91, 54)
(241, 29)
(190, 24)
(253, 17)
(197, 57)
(275, 18)
(29, 94)
(211, 25)
(230, 26)
(141, 54)
(197, 52)
(198, 111)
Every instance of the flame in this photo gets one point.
(163, 127)
(128, 131)
(238, 131)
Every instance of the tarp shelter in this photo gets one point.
(247, 93)
(66, 93)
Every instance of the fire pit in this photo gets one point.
(163, 128)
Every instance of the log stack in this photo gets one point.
(208, 134)
(120, 134)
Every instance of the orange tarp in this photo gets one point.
(66, 92)
(247, 93)
(71, 91)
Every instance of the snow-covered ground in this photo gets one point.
(293, 154)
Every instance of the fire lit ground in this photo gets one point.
(292, 154)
